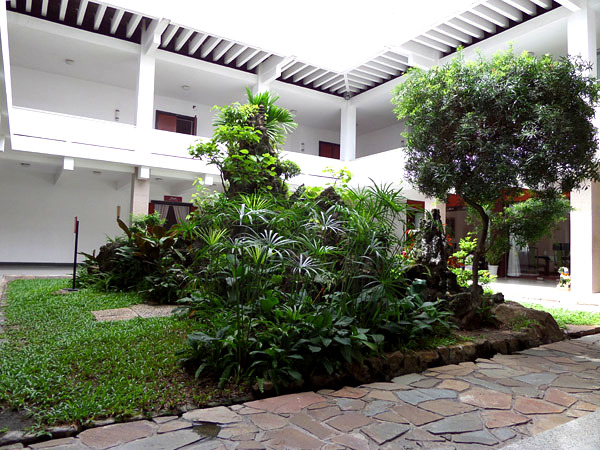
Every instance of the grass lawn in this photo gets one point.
(61, 366)
(566, 317)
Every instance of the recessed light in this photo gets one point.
(96, 172)
(185, 87)
(25, 164)
(293, 111)
(69, 62)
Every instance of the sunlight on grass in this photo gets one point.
(566, 317)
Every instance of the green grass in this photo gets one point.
(566, 317)
(61, 366)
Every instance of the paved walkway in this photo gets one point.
(486, 404)
(546, 293)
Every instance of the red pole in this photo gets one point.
(76, 231)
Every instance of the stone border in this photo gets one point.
(375, 369)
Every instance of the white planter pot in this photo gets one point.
(493, 269)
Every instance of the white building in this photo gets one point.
(86, 84)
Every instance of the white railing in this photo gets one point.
(79, 137)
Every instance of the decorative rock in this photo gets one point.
(499, 419)
(476, 437)
(218, 414)
(546, 329)
(117, 434)
(290, 403)
(487, 399)
(384, 432)
(349, 421)
(534, 406)
(456, 424)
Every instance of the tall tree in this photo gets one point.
(484, 129)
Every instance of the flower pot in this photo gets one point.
(493, 269)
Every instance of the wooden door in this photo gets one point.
(166, 122)
(329, 150)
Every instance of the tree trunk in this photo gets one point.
(480, 250)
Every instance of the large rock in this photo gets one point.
(541, 323)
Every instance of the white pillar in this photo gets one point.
(348, 132)
(144, 116)
(585, 219)
(140, 190)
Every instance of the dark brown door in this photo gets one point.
(329, 150)
(166, 122)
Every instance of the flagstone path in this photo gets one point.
(484, 404)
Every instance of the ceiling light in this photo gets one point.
(25, 164)
(69, 62)
(293, 111)
(158, 179)
(96, 172)
(185, 87)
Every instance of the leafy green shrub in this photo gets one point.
(281, 287)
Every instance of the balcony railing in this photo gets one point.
(79, 137)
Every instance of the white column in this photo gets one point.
(140, 190)
(585, 219)
(348, 132)
(144, 116)
(151, 37)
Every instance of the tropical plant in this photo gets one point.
(245, 146)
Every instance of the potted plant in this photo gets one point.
(564, 282)
(495, 253)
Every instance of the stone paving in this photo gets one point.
(142, 310)
(474, 405)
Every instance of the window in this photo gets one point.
(329, 150)
(175, 122)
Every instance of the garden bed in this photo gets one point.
(63, 371)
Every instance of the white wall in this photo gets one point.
(37, 216)
(67, 95)
(378, 141)
(311, 137)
